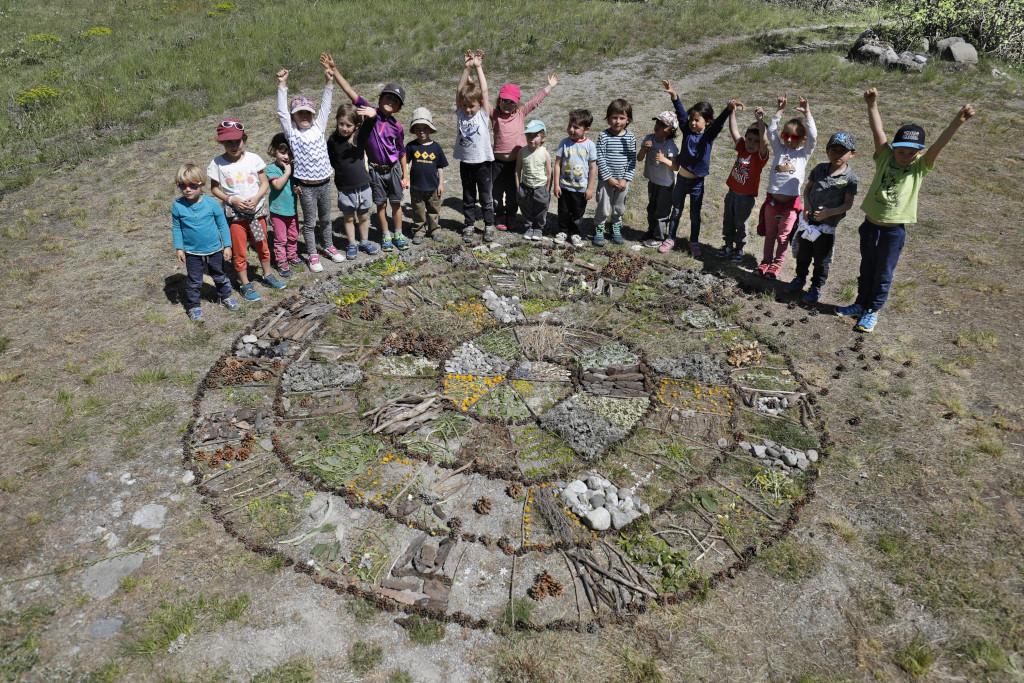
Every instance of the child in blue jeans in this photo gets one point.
(202, 240)
(891, 203)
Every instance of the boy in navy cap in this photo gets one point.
(891, 203)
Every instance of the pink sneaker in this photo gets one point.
(695, 249)
(502, 223)
(335, 255)
(314, 264)
(666, 246)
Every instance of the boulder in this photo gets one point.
(960, 53)
(941, 45)
(599, 519)
(907, 61)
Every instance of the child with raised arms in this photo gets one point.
(744, 182)
(473, 147)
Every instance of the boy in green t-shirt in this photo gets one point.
(889, 205)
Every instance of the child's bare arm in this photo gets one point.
(734, 129)
(282, 101)
(327, 62)
(405, 171)
(549, 170)
(440, 182)
(645, 146)
(555, 176)
(479, 63)
(966, 112)
(280, 181)
(592, 181)
(875, 120)
(468, 56)
(759, 122)
(264, 189)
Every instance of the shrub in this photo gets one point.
(992, 26)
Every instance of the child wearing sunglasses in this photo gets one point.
(202, 240)
(743, 183)
(792, 149)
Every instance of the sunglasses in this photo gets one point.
(789, 137)
(189, 186)
(232, 124)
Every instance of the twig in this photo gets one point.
(575, 590)
(608, 575)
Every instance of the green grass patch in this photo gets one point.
(640, 667)
(916, 657)
(424, 631)
(5, 343)
(170, 620)
(400, 676)
(364, 657)
(791, 560)
(295, 670)
(19, 640)
(781, 431)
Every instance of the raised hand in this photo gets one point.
(327, 61)
(282, 77)
(803, 107)
(782, 101)
(648, 144)
(736, 105)
(667, 87)
(759, 113)
(366, 112)
(552, 81)
(966, 112)
(871, 96)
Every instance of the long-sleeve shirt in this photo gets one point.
(199, 227)
(509, 129)
(309, 150)
(695, 152)
(790, 165)
(616, 156)
(386, 142)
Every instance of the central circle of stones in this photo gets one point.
(545, 444)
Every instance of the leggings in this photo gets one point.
(694, 188)
(316, 213)
(504, 189)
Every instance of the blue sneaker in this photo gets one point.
(796, 285)
(386, 244)
(351, 251)
(195, 314)
(284, 271)
(369, 247)
(812, 295)
(249, 293)
(271, 280)
(599, 237)
(401, 242)
(854, 310)
(867, 322)
(231, 303)
(617, 233)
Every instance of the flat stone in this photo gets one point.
(150, 516)
(745, 445)
(723, 443)
(802, 462)
(599, 519)
(594, 483)
(105, 628)
(941, 45)
(427, 554)
(576, 486)
(812, 455)
(188, 477)
(621, 518)
(250, 339)
(404, 583)
(436, 591)
(773, 452)
(961, 53)
(102, 579)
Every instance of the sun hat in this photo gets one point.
(842, 139)
(421, 116)
(668, 118)
(230, 129)
(302, 103)
(510, 91)
(535, 126)
(910, 135)
(394, 89)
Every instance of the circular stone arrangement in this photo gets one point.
(519, 438)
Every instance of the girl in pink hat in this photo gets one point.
(509, 121)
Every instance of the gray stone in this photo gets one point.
(105, 628)
(723, 443)
(102, 579)
(188, 477)
(597, 500)
(611, 497)
(403, 583)
(789, 457)
(812, 455)
(599, 519)
(907, 61)
(760, 450)
(150, 516)
(802, 462)
(960, 53)
(594, 483)
(621, 518)
(250, 339)
(745, 445)
(941, 45)
(774, 452)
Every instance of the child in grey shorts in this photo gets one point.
(534, 179)
(351, 179)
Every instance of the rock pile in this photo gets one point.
(772, 454)
(505, 309)
(615, 380)
(601, 504)
(310, 376)
(251, 346)
(772, 405)
(870, 47)
(420, 575)
(469, 359)
(232, 424)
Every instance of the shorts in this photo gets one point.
(355, 200)
(386, 184)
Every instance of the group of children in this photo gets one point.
(505, 170)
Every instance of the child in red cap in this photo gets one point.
(509, 121)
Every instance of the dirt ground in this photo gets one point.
(907, 561)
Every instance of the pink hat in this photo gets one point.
(510, 91)
(230, 129)
(301, 103)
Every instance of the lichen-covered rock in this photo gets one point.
(310, 376)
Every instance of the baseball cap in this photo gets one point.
(394, 89)
(669, 118)
(230, 129)
(510, 91)
(302, 103)
(842, 139)
(910, 135)
(535, 126)
(421, 116)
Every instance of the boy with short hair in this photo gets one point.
(828, 195)
(385, 152)
(576, 170)
(533, 178)
(427, 171)
(473, 149)
(890, 204)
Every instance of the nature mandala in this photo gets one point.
(519, 438)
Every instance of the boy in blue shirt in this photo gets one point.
(426, 166)
(202, 240)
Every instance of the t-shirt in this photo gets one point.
(790, 165)
(282, 202)
(534, 162)
(199, 227)
(660, 174)
(745, 177)
(829, 191)
(616, 156)
(239, 178)
(473, 137)
(576, 159)
(385, 137)
(892, 197)
(424, 162)
(309, 153)
(348, 159)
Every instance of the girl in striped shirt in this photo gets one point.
(616, 163)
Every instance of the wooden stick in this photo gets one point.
(628, 584)
(749, 501)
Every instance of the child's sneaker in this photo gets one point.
(854, 310)
(334, 254)
(651, 243)
(599, 236)
(617, 233)
(666, 246)
(314, 264)
(295, 261)
(867, 322)
(417, 237)
(351, 252)
(249, 292)
(270, 280)
(231, 303)
(772, 272)
(812, 296)
(560, 238)
(528, 235)
(195, 314)
(502, 223)
(695, 249)
(386, 244)
(369, 248)
(489, 233)
(762, 269)
(737, 256)
(400, 242)
(796, 285)
(284, 271)
(724, 252)
(576, 240)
